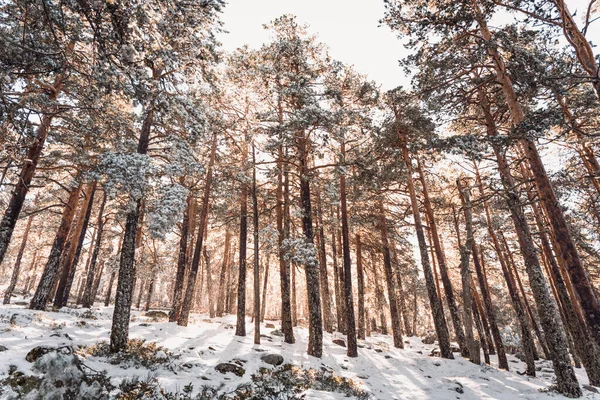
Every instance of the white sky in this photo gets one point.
(349, 28)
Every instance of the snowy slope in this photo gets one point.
(387, 373)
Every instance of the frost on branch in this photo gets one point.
(165, 209)
(300, 251)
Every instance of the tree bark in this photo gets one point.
(441, 259)
(567, 383)
(119, 334)
(526, 337)
(350, 319)
(45, 288)
(256, 251)
(325, 294)
(465, 274)
(555, 336)
(489, 308)
(389, 277)
(182, 260)
(221, 299)
(439, 319)
(311, 268)
(17, 198)
(361, 290)
(17, 267)
(68, 272)
(191, 284)
(240, 328)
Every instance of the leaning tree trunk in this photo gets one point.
(441, 259)
(489, 309)
(17, 198)
(567, 383)
(191, 284)
(64, 285)
(439, 319)
(465, 275)
(583, 48)
(119, 334)
(526, 336)
(17, 267)
(263, 302)
(548, 312)
(45, 288)
(389, 277)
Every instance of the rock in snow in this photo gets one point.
(230, 367)
(273, 359)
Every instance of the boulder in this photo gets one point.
(339, 342)
(277, 332)
(157, 315)
(230, 367)
(3, 348)
(38, 352)
(429, 339)
(272, 359)
(21, 320)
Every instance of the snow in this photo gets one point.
(385, 372)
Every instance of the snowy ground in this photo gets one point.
(387, 373)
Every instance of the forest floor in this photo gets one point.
(172, 357)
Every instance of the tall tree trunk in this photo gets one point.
(209, 283)
(350, 320)
(311, 268)
(489, 308)
(17, 198)
(68, 272)
(583, 48)
(583, 344)
(477, 317)
(97, 279)
(381, 303)
(221, 299)
(400, 297)
(512, 266)
(465, 274)
(182, 260)
(441, 259)
(256, 253)
(17, 267)
(263, 303)
(361, 290)
(83, 277)
(340, 305)
(526, 337)
(119, 334)
(550, 319)
(32, 270)
(325, 294)
(111, 281)
(283, 227)
(240, 328)
(45, 288)
(151, 284)
(439, 319)
(389, 277)
(191, 284)
(567, 382)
